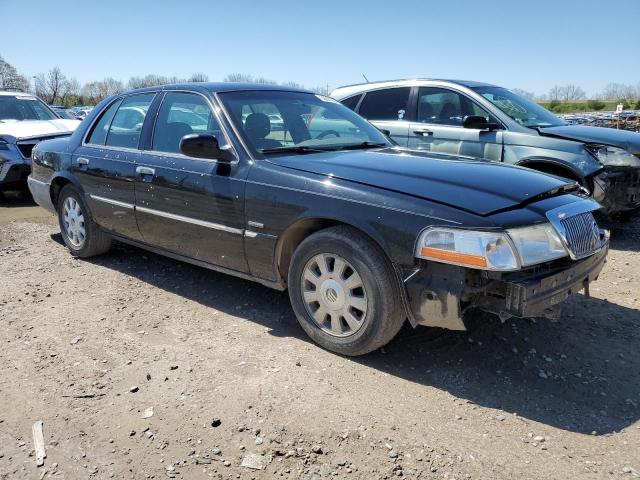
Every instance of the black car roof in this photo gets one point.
(219, 87)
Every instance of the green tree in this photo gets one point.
(555, 105)
(11, 79)
(596, 104)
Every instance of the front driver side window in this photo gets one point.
(441, 106)
(180, 114)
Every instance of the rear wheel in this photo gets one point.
(343, 291)
(80, 233)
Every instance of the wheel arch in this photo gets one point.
(302, 228)
(58, 183)
(553, 166)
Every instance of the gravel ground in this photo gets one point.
(227, 380)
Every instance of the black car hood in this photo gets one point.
(630, 141)
(479, 187)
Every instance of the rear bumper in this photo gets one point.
(41, 193)
(439, 294)
(617, 189)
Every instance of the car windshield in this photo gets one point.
(523, 111)
(275, 122)
(23, 107)
(65, 114)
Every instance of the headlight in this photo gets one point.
(537, 244)
(504, 251)
(614, 156)
(484, 250)
(4, 145)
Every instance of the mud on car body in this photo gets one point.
(362, 234)
(492, 123)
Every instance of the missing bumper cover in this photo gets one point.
(438, 295)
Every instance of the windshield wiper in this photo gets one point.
(363, 145)
(293, 149)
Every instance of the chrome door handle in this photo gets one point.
(424, 132)
(145, 171)
(83, 161)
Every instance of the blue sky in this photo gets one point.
(526, 44)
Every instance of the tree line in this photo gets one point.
(572, 93)
(56, 88)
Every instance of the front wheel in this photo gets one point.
(80, 233)
(343, 291)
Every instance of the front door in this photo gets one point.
(105, 164)
(190, 206)
(438, 126)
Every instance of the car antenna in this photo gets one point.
(365, 77)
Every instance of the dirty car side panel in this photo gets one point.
(278, 197)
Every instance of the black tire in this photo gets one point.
(95, 242)
(26, 193)
(384, 313)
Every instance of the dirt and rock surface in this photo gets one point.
(144, 367)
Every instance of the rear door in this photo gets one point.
(438, 126)
(389, 109)
(190, 206)
(105, 163)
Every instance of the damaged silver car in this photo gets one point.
(485, 121)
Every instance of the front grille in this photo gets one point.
(26, 146)
(582, 234)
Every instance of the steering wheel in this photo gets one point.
(327, 132)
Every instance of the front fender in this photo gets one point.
(553, 165)
(522, 148)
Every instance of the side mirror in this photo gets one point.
(478, 122)
(204, 145)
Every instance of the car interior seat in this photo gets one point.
(257, 126)
(167, 138)
(447, 114)
(426, 112)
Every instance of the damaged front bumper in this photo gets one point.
(438, 294)
(617, 189)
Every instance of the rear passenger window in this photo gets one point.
(99, 133)
(181, 114)
(127, 122)
(351, 102)
(388, 104)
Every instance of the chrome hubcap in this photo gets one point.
(73, 221)
(334, 295)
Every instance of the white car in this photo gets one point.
(25, 120)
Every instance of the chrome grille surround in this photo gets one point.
(578, 229)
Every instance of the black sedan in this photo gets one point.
(362, 234)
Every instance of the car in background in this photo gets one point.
(25, 120)
(489, 122)
(65, 113)
(81, 112)
(363, 235)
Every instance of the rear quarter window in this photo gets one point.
(98, 134)
(351, 102)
